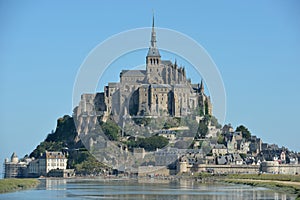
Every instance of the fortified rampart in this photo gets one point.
(217, 169)
(276, 168)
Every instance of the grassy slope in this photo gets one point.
(287, 183)
(10, 185)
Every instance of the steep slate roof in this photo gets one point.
(134, 73)
(166, 62)
(54, 154)
(153, 52)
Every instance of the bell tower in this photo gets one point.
(153, 58)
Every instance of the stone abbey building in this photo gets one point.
(162, 89)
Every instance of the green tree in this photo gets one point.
(150, 143)
(221, 139)
(88, 164)
(65, 132)
(202, 129)
(245, 132)
(171, 122)
(154, 142)
(111, 130)
(214, 122)
(46, 146)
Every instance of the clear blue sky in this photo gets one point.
(255, 44)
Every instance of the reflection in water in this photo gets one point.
(142, 189)
(53, 184)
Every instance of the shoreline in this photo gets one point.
(284, 183)
(288, 184)
(17, 184)
(275, 185)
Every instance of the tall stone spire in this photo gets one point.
(153, 51)
(153, 35)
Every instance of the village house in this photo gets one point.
(219, 149)
(48, 164)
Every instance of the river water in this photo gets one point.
(142, 189)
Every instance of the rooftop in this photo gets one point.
(133, 73)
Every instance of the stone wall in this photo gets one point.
(276, 168)
(153, 171)
(265, 167)
(219, 169)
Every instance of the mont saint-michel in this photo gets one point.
(149, 100)
(154, 122)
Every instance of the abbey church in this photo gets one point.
(162, 89)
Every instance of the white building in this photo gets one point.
(54, 160)
(50, 160)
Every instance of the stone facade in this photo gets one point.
(55, 160)
(50, 160)
(14, 168)
(162, 89)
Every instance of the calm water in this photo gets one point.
(142, 189)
